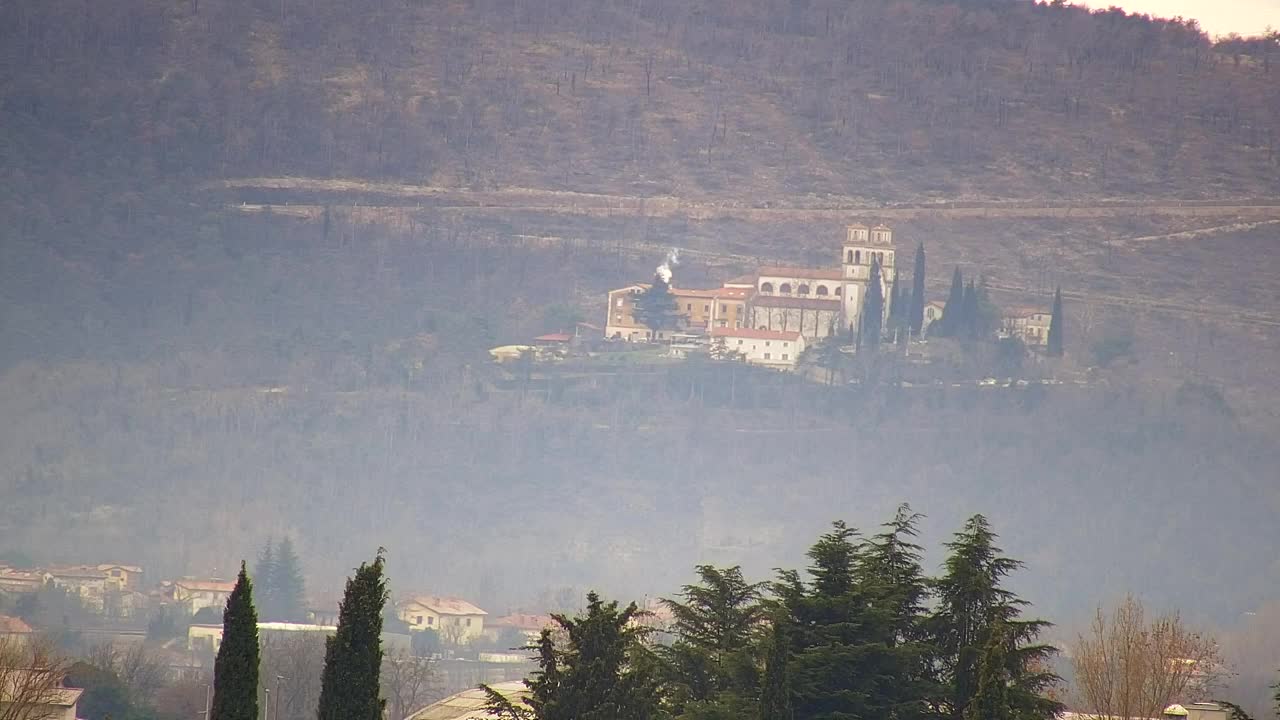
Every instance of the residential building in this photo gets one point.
(194, 595)
(86, 582)
(13, 580)
(932, 313)
(122, 577)
(698, 309)
(776, 349)
(458, 621)
(812, 317)
(1030, 325)
(14, 628)
(57, 703)
(530, 627)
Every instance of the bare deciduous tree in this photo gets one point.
(1127, 666)
(408, 682)
(31, 676)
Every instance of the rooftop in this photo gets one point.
(803, 273)
(14, 626)
(212, 585)
(803, 303)
(470, 703)
(444, 605)
(754, 334)
(521, 621)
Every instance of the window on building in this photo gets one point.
(821, 291)
(839, 292)
(706, 308)
(766, 343)
(431, 621)
(115, 573)
(417, 620)
(723, 308)
(784, 356)
(739, 342)
(688, 307)
(849, 257)
(857, 257)
(802, 290)
(468, 622)
(766, 288)
(766, 356)
(784, 289)
(618, 303)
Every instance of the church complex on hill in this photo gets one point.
(791, 302)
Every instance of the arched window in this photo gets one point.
(784, 289)
(857, 257)
(821, 291)
(802, 290)
(849, 258)
(839, 292)
(766, 288)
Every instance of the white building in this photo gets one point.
(457, 620)
(770, 348)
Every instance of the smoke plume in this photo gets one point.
(664, 270)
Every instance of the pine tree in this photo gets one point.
(951, 321)
(991, 702)
(265, 572)
(235, 670)
(775, 690)
(873, 309)
(716, 623)
(353, 656)
(1056, 326)
(918, 300)
(602, 673)
(288, 586)
(656, 307)
(971, 602)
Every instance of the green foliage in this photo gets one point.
(775, 690)
(991, 701)
(1115, 343)
(603, 671)
(1056, 326)
(971, 603)
(952, 315)
(235, 671)
(713, 664)
(872, 318)
(281, 587)
(105, 697)
(349, 685)
(656, 307)
(918, 299)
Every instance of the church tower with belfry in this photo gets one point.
(862, 247)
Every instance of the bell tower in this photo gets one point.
(862, 246)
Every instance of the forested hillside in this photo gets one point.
(252, 253)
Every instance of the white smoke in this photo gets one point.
(664, 270)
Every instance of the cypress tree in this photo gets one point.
(1056, 326)
(353, 656)
(916, 316)
(971, 603)
(950, 322)
(969, 312)
(235, 670)
(288, 586)
(775, 691)
(873, 308)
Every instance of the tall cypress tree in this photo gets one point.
(775, 690)
(873, 309)
(1056, 326)
(916, 315)
(971, 604)
(952, 314)
(969, 315)
(353, 655)
(235, 671)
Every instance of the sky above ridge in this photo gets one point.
(1217, 17)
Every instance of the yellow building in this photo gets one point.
(1030, 325)
(699, 310)
(458, 621)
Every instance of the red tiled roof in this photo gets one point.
(806, 273)
(694, 292)
(10, 625)
(445, 605)
(522, 621)
(205, 585)
(729, 293)
(754, 334)
(803, 303)
(77, 571)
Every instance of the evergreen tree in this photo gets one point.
(916, 315)
(950, 322)
(775, 690)
(873, 308)
(288, 586)
(235, 670)
(971, 603)
(1056, 326)
(888, 569)
(713, 660)
(353, 655)
(265, 572)
(656, 307)
(969, 313)
(991, 702)
(603, 672)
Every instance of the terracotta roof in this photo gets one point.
(77, 571)
(522, 621)
(805, 273)
(694, 292)
(14, 626)
(735, 293)
(803, 303)
(205, 585)
(632, 286)
(126, 568)
(445, 605)
(754, 334)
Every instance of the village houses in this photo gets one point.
(193, 595)
(458, 621)
(1030, 325)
